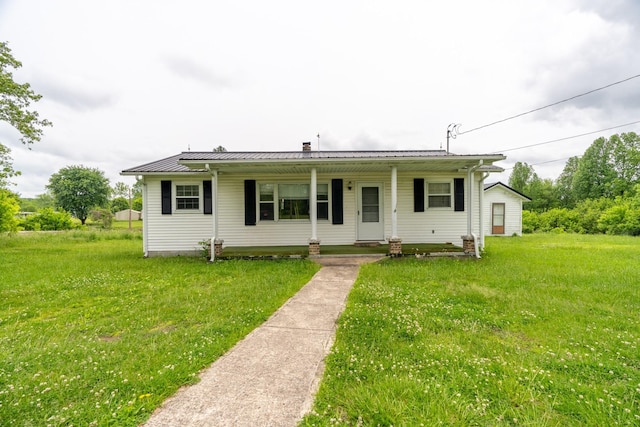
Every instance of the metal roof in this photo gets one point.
(329, 161)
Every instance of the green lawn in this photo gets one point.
(93, 334)
(544, 330)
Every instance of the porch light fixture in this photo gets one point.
(349, 185)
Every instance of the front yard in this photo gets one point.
(544, 330)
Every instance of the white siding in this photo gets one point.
(512, 211)
(182, 232)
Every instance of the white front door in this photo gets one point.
(370, 211)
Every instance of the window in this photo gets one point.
(187, 197)
(291, 201)
(267, 199)
(439, 194)
(294, 201)
(323, 201)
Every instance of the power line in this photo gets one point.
(565, 138)
(541, 163)
(551, 105)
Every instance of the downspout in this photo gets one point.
(481, 210)
(471, 174)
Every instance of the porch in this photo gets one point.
(274, 252)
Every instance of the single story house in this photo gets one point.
(503, 210)
(312, 198)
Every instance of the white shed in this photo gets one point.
(123, 215)
(503, 210)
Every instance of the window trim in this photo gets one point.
(450, 194)
(175, 198)
(276, 203)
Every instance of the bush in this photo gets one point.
(48, 220)
(103, 216)
(530, 222)
(622, 218)
(9, 208)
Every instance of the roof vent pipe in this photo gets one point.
(306, 146)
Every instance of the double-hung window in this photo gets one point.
(323, 201)
(187, 197)
(267, 199)
(439, 194)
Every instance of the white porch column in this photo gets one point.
(394, 202)
(313, 214)
(470, 177)
(214, 212)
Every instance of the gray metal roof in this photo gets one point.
(196, 161)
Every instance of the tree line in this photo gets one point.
(598, 192)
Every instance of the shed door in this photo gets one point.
(370, 224)
(497, 218)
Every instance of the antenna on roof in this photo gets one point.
(452, 131)
(188, 147)
(318, 135)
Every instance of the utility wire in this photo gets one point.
(565, 138)
(541, 163)
(551, 105)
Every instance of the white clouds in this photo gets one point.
(129, 82)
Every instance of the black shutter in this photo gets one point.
(165, 188)
(418, 194)
(249, 202)
(458, 194)
(336, 201)
(207, 197)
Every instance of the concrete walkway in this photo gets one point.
(271, 376)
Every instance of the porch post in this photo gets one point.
(215, 247)
(394, 202)
(314, 243)
(395, 243)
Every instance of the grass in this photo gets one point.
(543, 331)
(93, 334)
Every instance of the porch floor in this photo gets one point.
(303, 251)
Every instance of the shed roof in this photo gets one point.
(506, 187)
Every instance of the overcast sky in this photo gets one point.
(129, 82)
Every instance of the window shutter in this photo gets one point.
(249, 202)
(336, 201)
(207, 197)
(418, 194)
(458, 194)
(165, 188)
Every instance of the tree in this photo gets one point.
(595, 174)
(564, 183)
(79, 189)
(6, 167)
(120, 189)
(15, 100)
(219, 149)
(521, 176)
(119, 204)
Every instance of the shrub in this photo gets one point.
(48, 220)
(103, 216)
(530, 222)
(622, 218)
(9, 208)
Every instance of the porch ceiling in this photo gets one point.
(346, 166)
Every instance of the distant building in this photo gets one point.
(123, 215)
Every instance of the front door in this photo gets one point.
(370, 211)
(497, 218)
